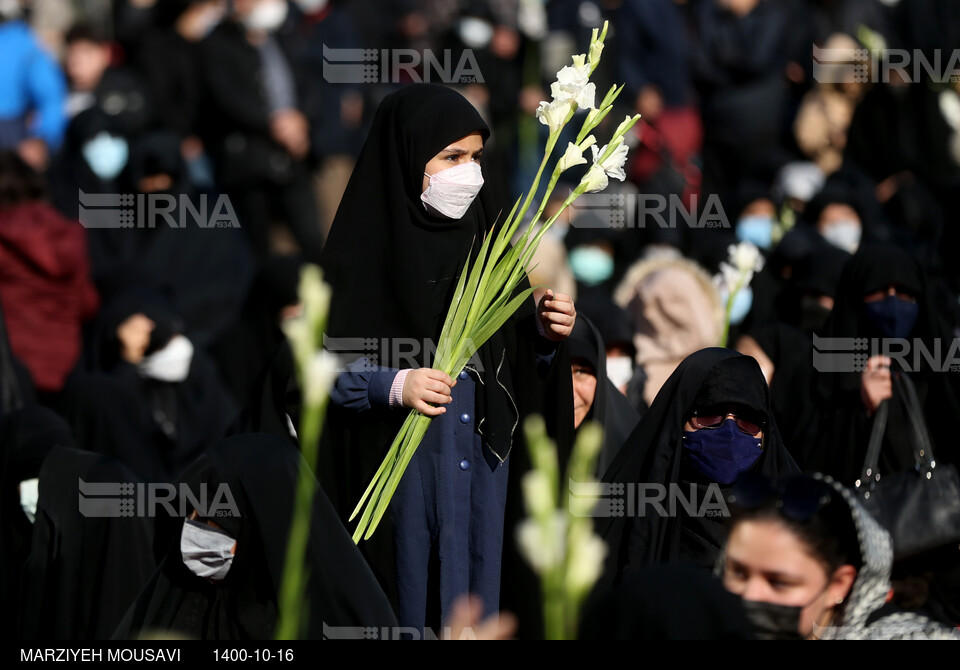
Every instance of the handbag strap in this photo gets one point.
(869, 474)
(922, 446)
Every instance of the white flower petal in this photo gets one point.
(587, 97)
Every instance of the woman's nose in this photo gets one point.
(756, 589)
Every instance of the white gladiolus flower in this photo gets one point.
(572, 90)
(553, 114)
(611, 166)
(585, 562)
(321, 373)
(574, 81)
(537, 494)
(745, 257)
(744, 260)
(574, 154)
(728, 278)
(542, 544)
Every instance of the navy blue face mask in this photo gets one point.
(722, 453)
(894, 317)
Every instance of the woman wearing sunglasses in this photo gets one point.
(710, 422)
(811, 563)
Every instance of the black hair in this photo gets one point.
(829, 534)
(19, 183)
(84, 32)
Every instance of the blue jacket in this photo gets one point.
(31, 83)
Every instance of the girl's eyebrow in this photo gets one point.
(461, 152)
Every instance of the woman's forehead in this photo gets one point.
(470, 142)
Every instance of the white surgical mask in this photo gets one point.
(843, 234)
(170, 364)
(207, 552)
(266, 16)
(29, 496)
(451, 191)
(619, 370)
(475, 33)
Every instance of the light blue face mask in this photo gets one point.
(106, 155)
(590, 265)
(757, 230)
(742, 302)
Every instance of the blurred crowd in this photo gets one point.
(153, 344)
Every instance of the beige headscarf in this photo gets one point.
(677, 311)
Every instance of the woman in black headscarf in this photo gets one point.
(609, 407)
(153, 399)
(667, 448)
(250, 481)
(885, 299)
(812, 289)
(393, 258)
(26, 437)
(85, 568)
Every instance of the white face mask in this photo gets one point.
(29, 496)
(207, 552)
(843, 234)
(619, 370)
(451, 191)
(170, 364)
(266, 16)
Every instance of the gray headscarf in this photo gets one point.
(858, 619)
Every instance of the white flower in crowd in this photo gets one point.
(321, 374)
(744, 259)
(573, 82)
(602, 168)
(572, 90)
(537, 494)
(553, 114)
(585, 561)
(574, 154)
(304, 331)
(542, 541)
(736, 274)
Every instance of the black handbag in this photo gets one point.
(920, 508)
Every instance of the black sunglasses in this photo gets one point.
(797, 497)
(715, 419)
